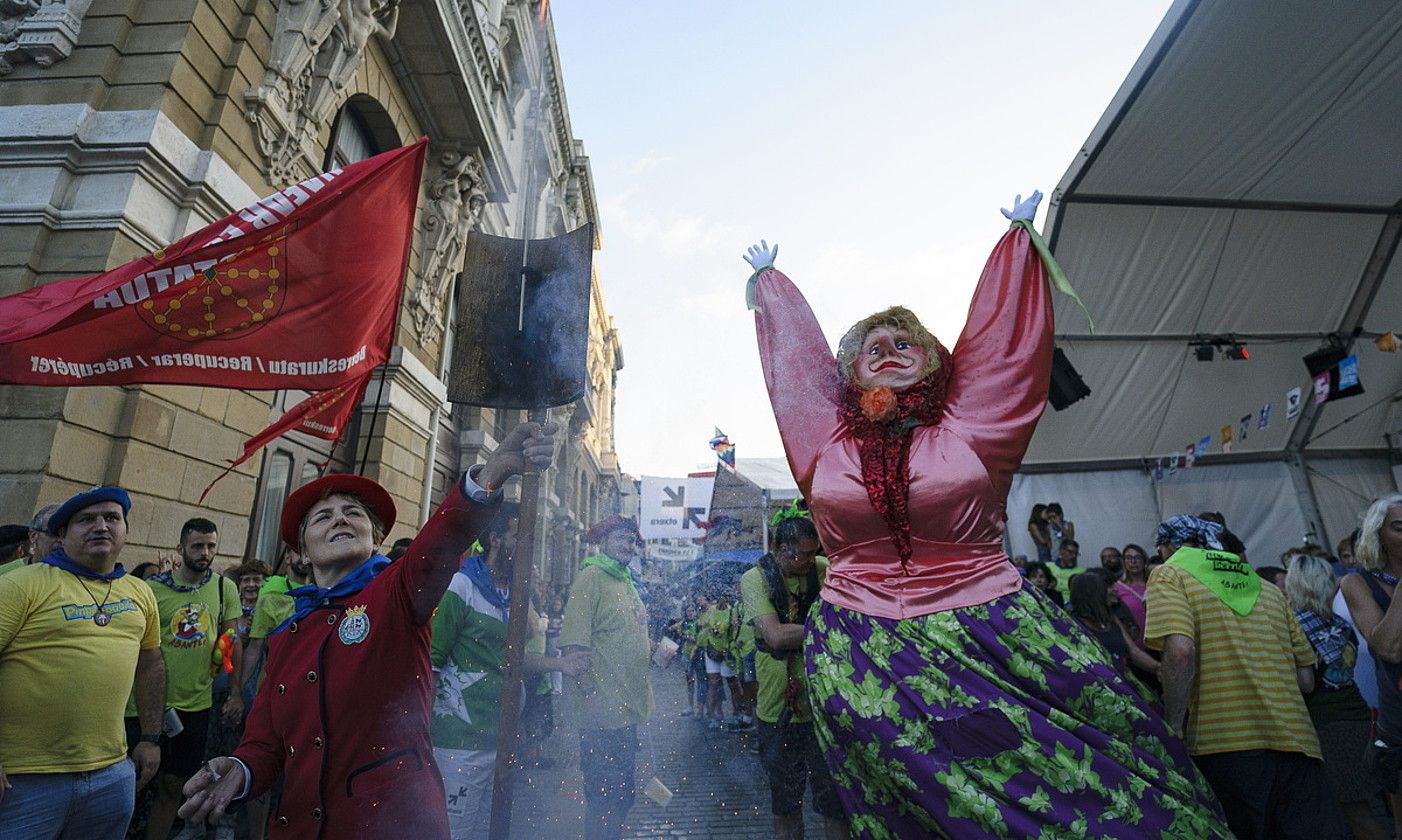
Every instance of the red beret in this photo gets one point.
(295, 510)
(601, 529)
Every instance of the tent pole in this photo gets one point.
(1309, 503)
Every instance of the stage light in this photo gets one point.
(1204, 352)
(1237, 352)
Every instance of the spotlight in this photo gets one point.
(1204, 352)
(1237, 352)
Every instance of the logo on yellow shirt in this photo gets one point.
(75, 612)
(189, 627)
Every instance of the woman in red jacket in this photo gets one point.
(344, 708)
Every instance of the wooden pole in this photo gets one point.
(517, 633)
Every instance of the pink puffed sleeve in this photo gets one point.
(799, 371)
(1002, 362)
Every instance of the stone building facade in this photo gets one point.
(126, 125)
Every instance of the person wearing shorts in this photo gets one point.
(714, 640)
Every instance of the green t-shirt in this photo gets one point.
(468, 656)
(13, 564)
(774, 673)
(743, 633)
(716, 632)
(606, 616)
(189, 631)
(1062, 577)
(273, 608)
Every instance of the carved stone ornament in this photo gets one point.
(318, 46)
(455, 196)
(42, 31)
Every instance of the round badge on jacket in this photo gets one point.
(355, 626)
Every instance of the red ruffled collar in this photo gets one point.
(881, 421)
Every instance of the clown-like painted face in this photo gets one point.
(889, 358)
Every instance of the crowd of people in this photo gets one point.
(893, 662)
(352, 694)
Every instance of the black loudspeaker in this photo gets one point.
(1066, 384)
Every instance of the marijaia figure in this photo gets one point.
(951, 697)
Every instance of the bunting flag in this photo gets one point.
(1204, 445)
(1387, 342)
(1243, 426)
(1158, 470)
(1190, 455)
(1321, 387)
(1226, 438)
(298, 290)
(1263, 420)
(1173, 463)
(724, 449)
(1293, 399)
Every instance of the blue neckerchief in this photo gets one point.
(168, 578)
(475, 569)
(58, 557)
(312, 597)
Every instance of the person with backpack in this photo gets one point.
(777, 594)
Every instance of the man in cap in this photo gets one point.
(343, 713)
(14, 547)
(20, 546)
(75, 630)
(606, 617)
(1235, 662)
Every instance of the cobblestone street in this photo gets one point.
(719, 789)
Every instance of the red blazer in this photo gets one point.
(344, 708)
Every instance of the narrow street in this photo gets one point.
(719, 789)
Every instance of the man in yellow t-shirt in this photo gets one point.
(1235, 664)
(788, 748)
(75, 630)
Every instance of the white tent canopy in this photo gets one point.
(1245, 182)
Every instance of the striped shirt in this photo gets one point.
(1244, 695)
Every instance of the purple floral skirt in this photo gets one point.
(999, 720)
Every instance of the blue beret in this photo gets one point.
(88, 498)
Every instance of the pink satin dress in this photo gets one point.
(960, 469)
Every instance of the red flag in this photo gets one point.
(324, 414)
(299, 290)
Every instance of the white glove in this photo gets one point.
(1023, 211)
(761, 256)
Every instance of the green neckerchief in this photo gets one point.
(1227, 575)
(1054, 272)
(610, 567)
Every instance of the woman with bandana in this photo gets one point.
(951, 697)
(343, 712)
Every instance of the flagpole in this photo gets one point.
(512, 693)
(374, 415)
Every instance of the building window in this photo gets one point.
(277, 477)
(362, 130)
(353, 141)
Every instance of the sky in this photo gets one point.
(874, 143)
